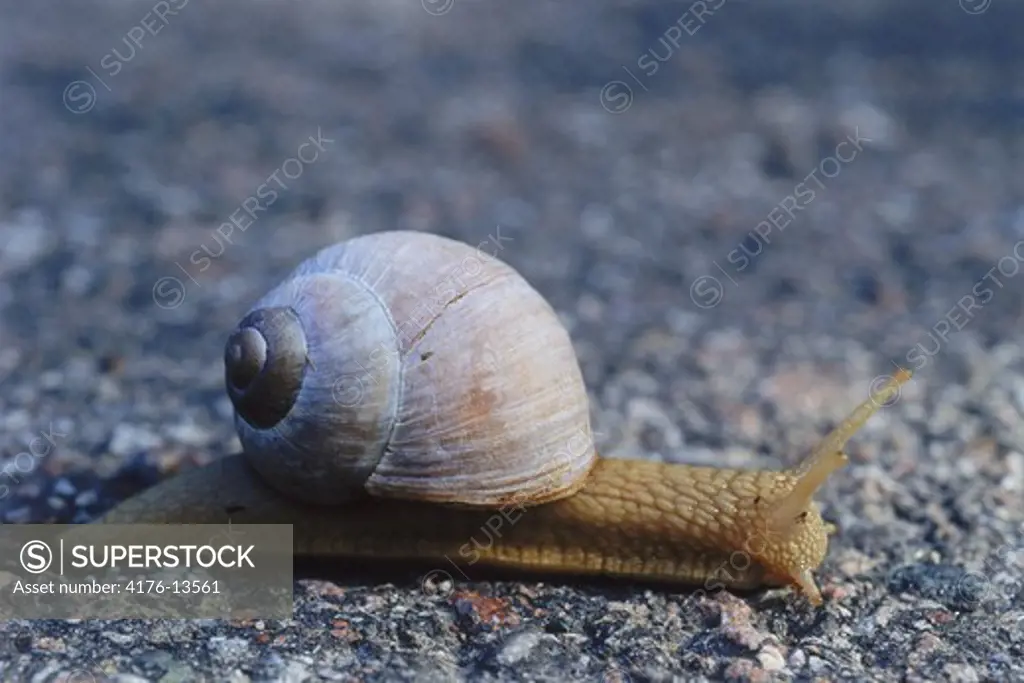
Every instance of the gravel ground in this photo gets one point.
(646, 199)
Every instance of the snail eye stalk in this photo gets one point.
(828, 456)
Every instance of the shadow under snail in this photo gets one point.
(398, 388)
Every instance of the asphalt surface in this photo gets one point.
(746, 213)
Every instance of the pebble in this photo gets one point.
(118, 638)
(128, 439)
(178, 672)
(960, 673)
(816, 664)
(771, 659)
(51, 379)
(156, 658)
(86, 499)
(48, 644)
(17, 420)
(64, 487)
(1014, 479)
(228, 649)
(188, 433)
(518, 647)
(295, 672)
(26, 239)
(19, 515)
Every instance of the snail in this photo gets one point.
(401, 392)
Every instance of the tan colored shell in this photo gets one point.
(422, 369)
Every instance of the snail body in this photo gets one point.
(402, 395)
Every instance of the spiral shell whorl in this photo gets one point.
(338, 419)
(264, 365)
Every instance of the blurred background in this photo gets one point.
(745, 213)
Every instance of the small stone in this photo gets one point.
(77, 280)
(817, 664)
(927, 643)
(518, 647)
(51, 379)
(23, 642)
(744, 635)
(872, 124)
(178, 673)
(129, 439)
(63, 487)
(118, 638)
(189, 434)
(205, 623)
(295, 672)
(156, 658)
(26, 239)
(17, 420)
(226, 648)
(771, 659)
(48, 644)
(1014, 479)
(86, 498)
(19, 515)
(741, 670)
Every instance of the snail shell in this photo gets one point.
(408, 365)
